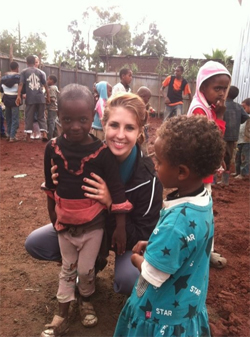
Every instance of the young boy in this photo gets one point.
(9, 88)
(52, 106)
(169, 297)
(233, 116)
(34, 81)
(173, 99)
(126, 76)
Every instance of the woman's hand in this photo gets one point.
(54, 175)
(98, 190)
(140, 247)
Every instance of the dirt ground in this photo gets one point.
(28, 286)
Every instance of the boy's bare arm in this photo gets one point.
(19, 99)
(119, 237)
(51, 209)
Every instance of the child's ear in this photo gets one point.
(184, 172)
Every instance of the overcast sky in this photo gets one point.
(190, 27)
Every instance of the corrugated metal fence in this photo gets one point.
(88, 78)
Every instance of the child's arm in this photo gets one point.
(19, 99)
(137, 260)
(51, 209)
(119, 237)
(47, 93)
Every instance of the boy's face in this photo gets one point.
(109, 90)
(167, 174)
(215, 89)
(76, 119)
(127, 78)
(246, 107)
(178, 72)
(145, 96)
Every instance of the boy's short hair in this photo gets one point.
(124, 71)
(246, 101)
(195, 142)
(75, 91)
(14, 65)
(53, 78)
(233, 92)
(31, 59)
(181, 68)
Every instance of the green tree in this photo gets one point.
(34, 45)
(23, 46)
(77, 54)
(154, 44)
(218, 54)
(6, 40)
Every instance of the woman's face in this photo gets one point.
(121, 132)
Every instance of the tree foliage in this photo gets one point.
(33, 44)
(218, 54)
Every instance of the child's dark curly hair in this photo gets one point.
(192, 141)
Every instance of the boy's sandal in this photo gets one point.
(88, 315)
(217, 261)
(58, 327)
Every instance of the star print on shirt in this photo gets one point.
(147, 307)
(178, 330)
(191, 312)
(183, 211)
(204, 332)
(134, 325)
(192, 224)
(176, 304)
(209, 245)
(184, 242)
(207, 232)
(166, 251)
(181, 283)
(156, 320)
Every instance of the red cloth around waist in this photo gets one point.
(75, 211)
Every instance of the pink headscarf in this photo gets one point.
(209, 69)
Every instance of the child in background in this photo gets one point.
(126, 76)
(104, 91)
(145, 94)
(212, 85)
(9, 87)
(242, 160)
(33, 79)
(78, 220)
(234, 116)
(52, 106)
(169, 297)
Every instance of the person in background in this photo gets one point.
(145, 95)
(9, 88)
(78, 220)
(242, 160)
(104, 90)
(234, 116)
(212, 85)
(33, 80)
(169, 297)
(173, 99)
(123, 122)
(52, 106)
(36, 131)
(126, 77)
(3, 134)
